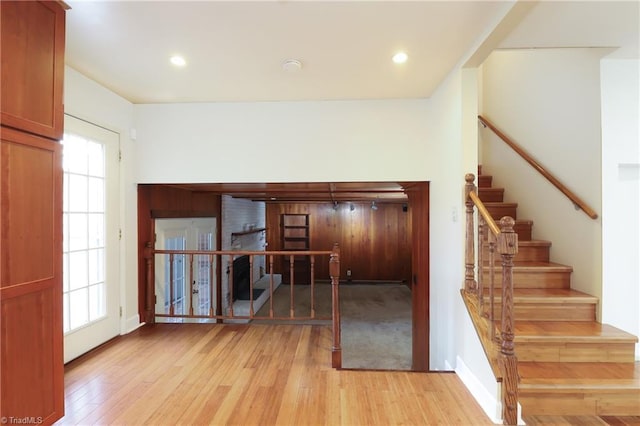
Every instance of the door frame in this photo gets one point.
(418, 195)
(109, 326)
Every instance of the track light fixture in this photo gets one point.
(374, 206)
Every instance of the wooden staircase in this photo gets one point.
(569, 364)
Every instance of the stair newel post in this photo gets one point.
(508, 248)
(150, 290)
(470, 284)
(334, 272)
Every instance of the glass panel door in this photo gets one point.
(174, 295)
(90, 236)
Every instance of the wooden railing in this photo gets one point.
(189, 273)
(577, 201)
(503, 240)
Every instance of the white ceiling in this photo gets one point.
(235, 49)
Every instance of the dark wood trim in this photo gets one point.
(419, 213)
(169, 202)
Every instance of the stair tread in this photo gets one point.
(534, 266)
(546, 295)
(595, 374)
(528, 243)
(571, 332)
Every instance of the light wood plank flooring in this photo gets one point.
(171, 374)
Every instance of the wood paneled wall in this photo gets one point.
(162, 201)
(375, 244)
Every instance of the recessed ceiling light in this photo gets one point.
(178, 61)
(400, 58)
(292, 65)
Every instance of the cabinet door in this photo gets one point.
(30, 278)
(32, 46)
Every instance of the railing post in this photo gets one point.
(313, 291)
(150, 290)
(470, 284)
(251, 313)
(211, 289)
(271, 286)
(334, 272)
(171, 284)
(292, 282)
(191, 282)
(481, 230)
(230, 284)
(508, 248)
(491, 239)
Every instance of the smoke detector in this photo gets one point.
(292, 65)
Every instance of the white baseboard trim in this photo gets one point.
(489, 404)
(132, 323)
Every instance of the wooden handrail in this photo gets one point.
(577, 201)
(482, 209)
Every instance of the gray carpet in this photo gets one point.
(376, 321)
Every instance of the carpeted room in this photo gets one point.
(375, 258)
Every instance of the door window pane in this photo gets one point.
(84, 232)
(77, 236)
(79, 304)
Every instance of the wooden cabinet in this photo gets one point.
(32, 46)
(30, 277)
(294, 230)
(31, 111)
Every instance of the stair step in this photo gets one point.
(533, 275)
(498, 210)
(528, 251)
(546, 304)
(572, 341)
(488, 195)
(484, 181)
(600, 389)
(524, 229)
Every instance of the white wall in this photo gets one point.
(548, 101)
(621, 194)
(283, 141)
(327, 141)
(85, 99)
(446, 237)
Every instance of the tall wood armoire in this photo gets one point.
(31, 336)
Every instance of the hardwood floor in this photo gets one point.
(581, 421)
(250, 375)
